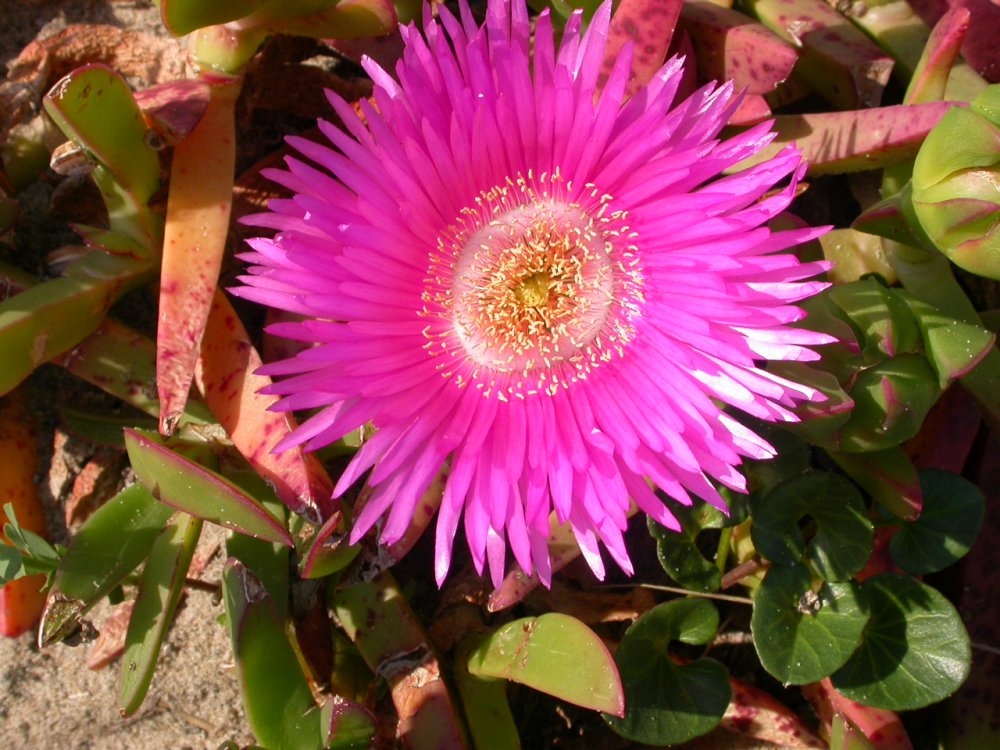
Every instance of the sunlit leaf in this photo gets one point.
(556, 654)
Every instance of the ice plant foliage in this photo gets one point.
(524, 278)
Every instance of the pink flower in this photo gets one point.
(531, 280)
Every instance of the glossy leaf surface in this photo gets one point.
(801, 634)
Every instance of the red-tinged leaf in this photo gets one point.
(173, 109)
(21, 601)
(649, 25)
(226, 376)
(980, 47)
(945, 441)
(888, 476)
(840, 63)
(752, 110)
(881, 727)
(110, 644)
(756, 714)
(931, 76)
(183, 484)
(198, 206)
(730, 46)
(838, 142)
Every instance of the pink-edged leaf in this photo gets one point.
(881, 727)
(730, 46)
(173, 109)
(201, 189)
(752, 110)
(839, 142)
(555, 654)
(226, 376)
(756, 714)
(649, 25)
(327, 551)
(931, 76)
(840, 63)
(183, 484)
(980, 47)
(888, 476)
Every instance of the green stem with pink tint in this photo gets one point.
(393, 643)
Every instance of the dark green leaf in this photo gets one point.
(667, 703)
(915, 650)
(678, 552)
(802, 635)
(952, 516)
(843, 540)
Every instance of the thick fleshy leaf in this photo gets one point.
(174, 108)
(484, 700)
(855, 141)
(953, 347)
(649, 25)
(348, 725)
(667, 703)
(948, 525)
(855, 254)
(888, 476)
(96, 108)
(328, 550)
(843, 538)
(21, 601)
(159, 592)
(754, 713)
(837, 60)
(276, 695)
(914, 650)
(883, 322)
(802, 634)
(555, 654)
(197, 222)
(109, 546)
(378, 619)
(930, 79)
(184, 16)
(52, 317)
(226, 376)
(873, 724)
(183, 484)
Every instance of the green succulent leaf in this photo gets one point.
(349, 726)
(186, 485)
(109, 546)
(952, 516)
(953, 347)
(884, 324)
(276, 695)
(843, 540)
(484, 699)
(156, 601)
(666, 702)
(555, 654)
(889, 476)
(803, 633)
(184, 16)
(914, 652)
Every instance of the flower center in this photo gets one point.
(534, 290)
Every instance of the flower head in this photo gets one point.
(521, 275)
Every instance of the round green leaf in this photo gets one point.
(678, 551)
(556, 654)
(951, 517)
(803, 635)
(843, 539)
(915, 650)
(668, 703)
